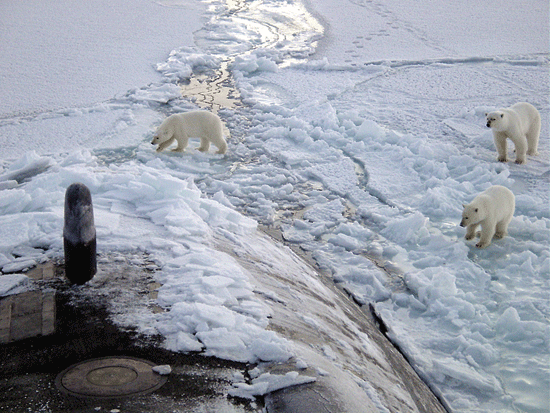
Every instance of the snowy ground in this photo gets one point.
(360, 135)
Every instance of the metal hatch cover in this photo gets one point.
(110, 377)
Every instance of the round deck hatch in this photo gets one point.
(110, 377)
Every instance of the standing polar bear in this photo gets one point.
(493, 210)
(195, 124)
(521, 124)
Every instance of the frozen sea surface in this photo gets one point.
(359, 136)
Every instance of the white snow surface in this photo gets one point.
(361, 136)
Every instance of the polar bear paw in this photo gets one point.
(482, 244)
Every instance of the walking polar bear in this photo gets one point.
(521, 124)
(493, 209)
(195, 124)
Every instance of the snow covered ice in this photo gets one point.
(360, 135)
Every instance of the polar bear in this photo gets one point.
(521, 124)
(493, 210)
(195, 124)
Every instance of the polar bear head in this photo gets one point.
(164, 132)
(497, 120)
(472, 214)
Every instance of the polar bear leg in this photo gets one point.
(521, 148)
(502, 226)
(182, 144)
(166, 144)
(500, 143)
(221, 145)
(471, 231)
(205, 145)
(533, 138)
(487, 232)
(501, 229)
